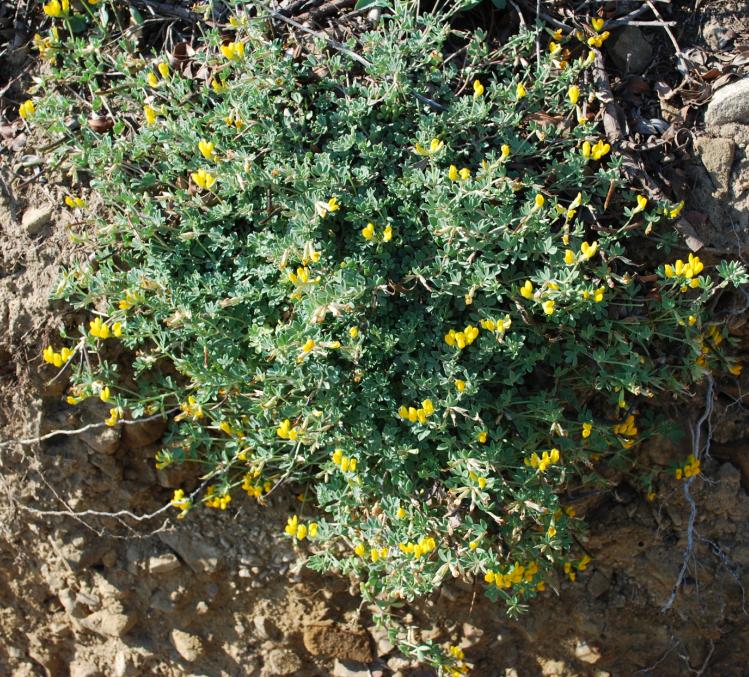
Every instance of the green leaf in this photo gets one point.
(363, 4)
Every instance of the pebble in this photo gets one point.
(729, 104)
(630, 51)
(34, 220)
(163, 564)
(282, 662)
(190, 647)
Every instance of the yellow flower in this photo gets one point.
(465, 174)
(312, 530)
(505, 151)
(219, 87)
(104, 394)
(233, 51)
(368, 232)
(360, 550)
(387, 234)
(650, 496)
(588, 251)
(152, 80)
(598, 40)
(57, 8)
(117, 329)
(642, 202)
(353, 332)
(27, 109)
(574, 94)
(400, 513)
(554, 48)
(548, 307)
(569, 257)
(74, 202)
(482, 437)
(435, 146)
(428, 407)
(98, 329)
(600, 149)
(586, 149)
(203, 179)
(207, 148)
(736, 369)
(460, 385)
(526, 291)
(308, 346)
(163, 68)
(587, 428)
(520, 90)
(673, 213)
(552, 531)
(597, 24)
(539, 201)
(115, 414)
(598, 294)
(478, 89)
(452, 173)
(151, 114)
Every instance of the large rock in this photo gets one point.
(630, 51)
(143, 433)
(729, 104)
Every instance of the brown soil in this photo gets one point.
(223, 593)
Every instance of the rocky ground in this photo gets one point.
(223, 593)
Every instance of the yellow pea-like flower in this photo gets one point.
(27, 109)
(368, 232)
(207, 149)
(569, 257)
(548, 307)
(526, 291)
(574, 94)
(478, 89)
(163, 68)
(203, 179)
(465, 174)
(520, 90)
(452, 173)
(151, 114)
(597, 24)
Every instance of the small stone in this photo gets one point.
(350, 669)
(265, 628)
(717, 36)
(587, 653)
(200, 556)
(281, 662)
(630, 51)
(163, 564)
(729, 104)
(188, 646)
(71, 605)
(122, 666)
(398, 663)
(84, 669)
(161, 602)
(34, 220)
(104, 440)
(717, 155)
(598, 585)
(114, 621)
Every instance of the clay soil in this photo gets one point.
(223, 593)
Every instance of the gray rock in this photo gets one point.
(190, 647)
(729, 104)
(201, 557)
(598, 585)
(34, 220)
(163, 564)
(630, 51)
(717, 156)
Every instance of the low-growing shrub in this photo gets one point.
(401, 281)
